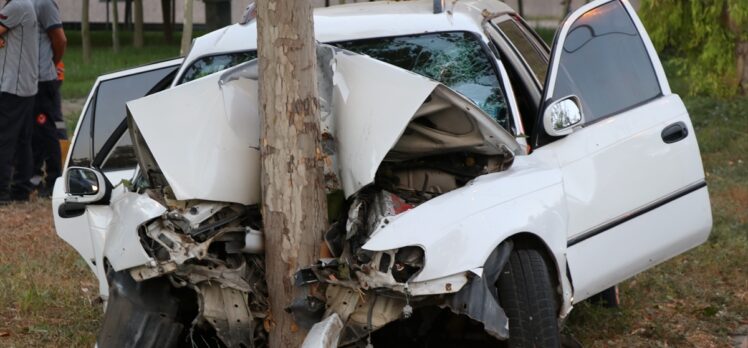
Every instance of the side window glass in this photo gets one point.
(81, 151)
(207, 65)
(456, 59)
(605, 63)
(111, 102)
(527, 47)
(122, 155)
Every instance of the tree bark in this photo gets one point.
(137, 37)
(521, 8)
(85, 32)
(741, 48)
(741, 52)
(294, 206)
(115, 26)
(187, 27)
(167, 24)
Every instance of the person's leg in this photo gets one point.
(11, 121)
(56, 127)
(21, 187)
(46, 143)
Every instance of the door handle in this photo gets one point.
(674, 132)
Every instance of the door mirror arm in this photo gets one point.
(562, 116)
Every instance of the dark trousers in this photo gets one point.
(16, 120)
(48, 129)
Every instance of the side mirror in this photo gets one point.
(561, 116)
(86, 185)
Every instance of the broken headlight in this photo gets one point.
(408, 262)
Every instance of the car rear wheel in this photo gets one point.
(527, 295)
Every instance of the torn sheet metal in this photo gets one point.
(324, 334)
(479, 299)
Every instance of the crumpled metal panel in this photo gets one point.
(140, 314)
(479, 299)
(324, 334)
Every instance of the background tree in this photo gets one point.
(187, 27)
(85, 32)
(115, 26)
(137, 37)
(706, 42)
(521, 8)
(294, 206)
(168, 26)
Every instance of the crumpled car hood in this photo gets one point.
(205, 134)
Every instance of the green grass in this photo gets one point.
(79, 77)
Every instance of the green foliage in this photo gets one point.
(697, 38)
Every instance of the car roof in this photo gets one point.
(140, 69)
(363, 20)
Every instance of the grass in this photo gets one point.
(79, 77)
(47, 293)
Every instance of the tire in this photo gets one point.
(607, 298)
(527, 295)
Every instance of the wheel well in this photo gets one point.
(529, 240)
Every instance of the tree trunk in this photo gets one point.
(521, 8)
(741, 53)
(567, 7)
(167, 24)
(187, 27)
(115, 26)
(741, 49)
(294, 206)
(85, 32)
(137, 37)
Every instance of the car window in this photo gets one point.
(456, 59)
(527, 47)
(102, 112)
(207, 65)
(81, 150)
(605, 63)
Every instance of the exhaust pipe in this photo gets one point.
(438, 6)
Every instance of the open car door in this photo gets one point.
(631, 166)
(101, 141)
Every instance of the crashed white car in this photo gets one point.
(480, 184)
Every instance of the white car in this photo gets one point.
(480, 183)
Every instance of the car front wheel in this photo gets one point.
(527, 295)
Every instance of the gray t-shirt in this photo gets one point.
(19, 59)
(48, 17)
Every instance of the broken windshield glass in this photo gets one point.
(456, 59)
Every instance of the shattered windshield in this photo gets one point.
(456, 59)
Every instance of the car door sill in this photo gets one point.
(636, 213)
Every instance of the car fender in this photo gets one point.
(466, 225)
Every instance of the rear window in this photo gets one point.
(456, 59)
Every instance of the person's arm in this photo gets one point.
(48, 16)
(59, 43)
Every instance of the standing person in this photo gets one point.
(19, 74)
(49, 126)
